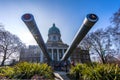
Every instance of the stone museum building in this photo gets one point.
(56, 49)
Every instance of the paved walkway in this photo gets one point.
(61, 75)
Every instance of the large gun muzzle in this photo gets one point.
(89, 21)
(31, 24)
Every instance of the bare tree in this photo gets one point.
(9, 44)
(115, 19)
(115, 30)
(102, 44)
(98, 42)
(86, 43)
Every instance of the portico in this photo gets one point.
(56, 53)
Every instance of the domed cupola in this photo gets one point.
(54, 30)
(54, 34)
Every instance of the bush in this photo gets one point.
(96, 71)
(25, 70)
(7, 71)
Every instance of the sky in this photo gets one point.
(67, 15)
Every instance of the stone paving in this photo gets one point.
(61, 75)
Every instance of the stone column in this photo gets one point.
(41, 56)
(58, 55)
(52, 53)
(62, 52)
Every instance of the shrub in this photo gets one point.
(7, 71)
(25, 70)
(96, 71)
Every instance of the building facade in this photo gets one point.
(31, 54)
(80, 56)
(56, 49)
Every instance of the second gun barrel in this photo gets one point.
(88, 22)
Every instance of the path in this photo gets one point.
(61, 75)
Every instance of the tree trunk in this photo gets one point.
(4, 58)
(3, 61)
(103, 60)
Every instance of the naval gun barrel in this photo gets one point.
(88, 22)
(28, 19)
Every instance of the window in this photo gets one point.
(55, 54)
(54, 38)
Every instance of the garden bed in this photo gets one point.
(25, 70)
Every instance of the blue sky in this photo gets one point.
(66, 14)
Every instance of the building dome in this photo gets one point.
(54, 30)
